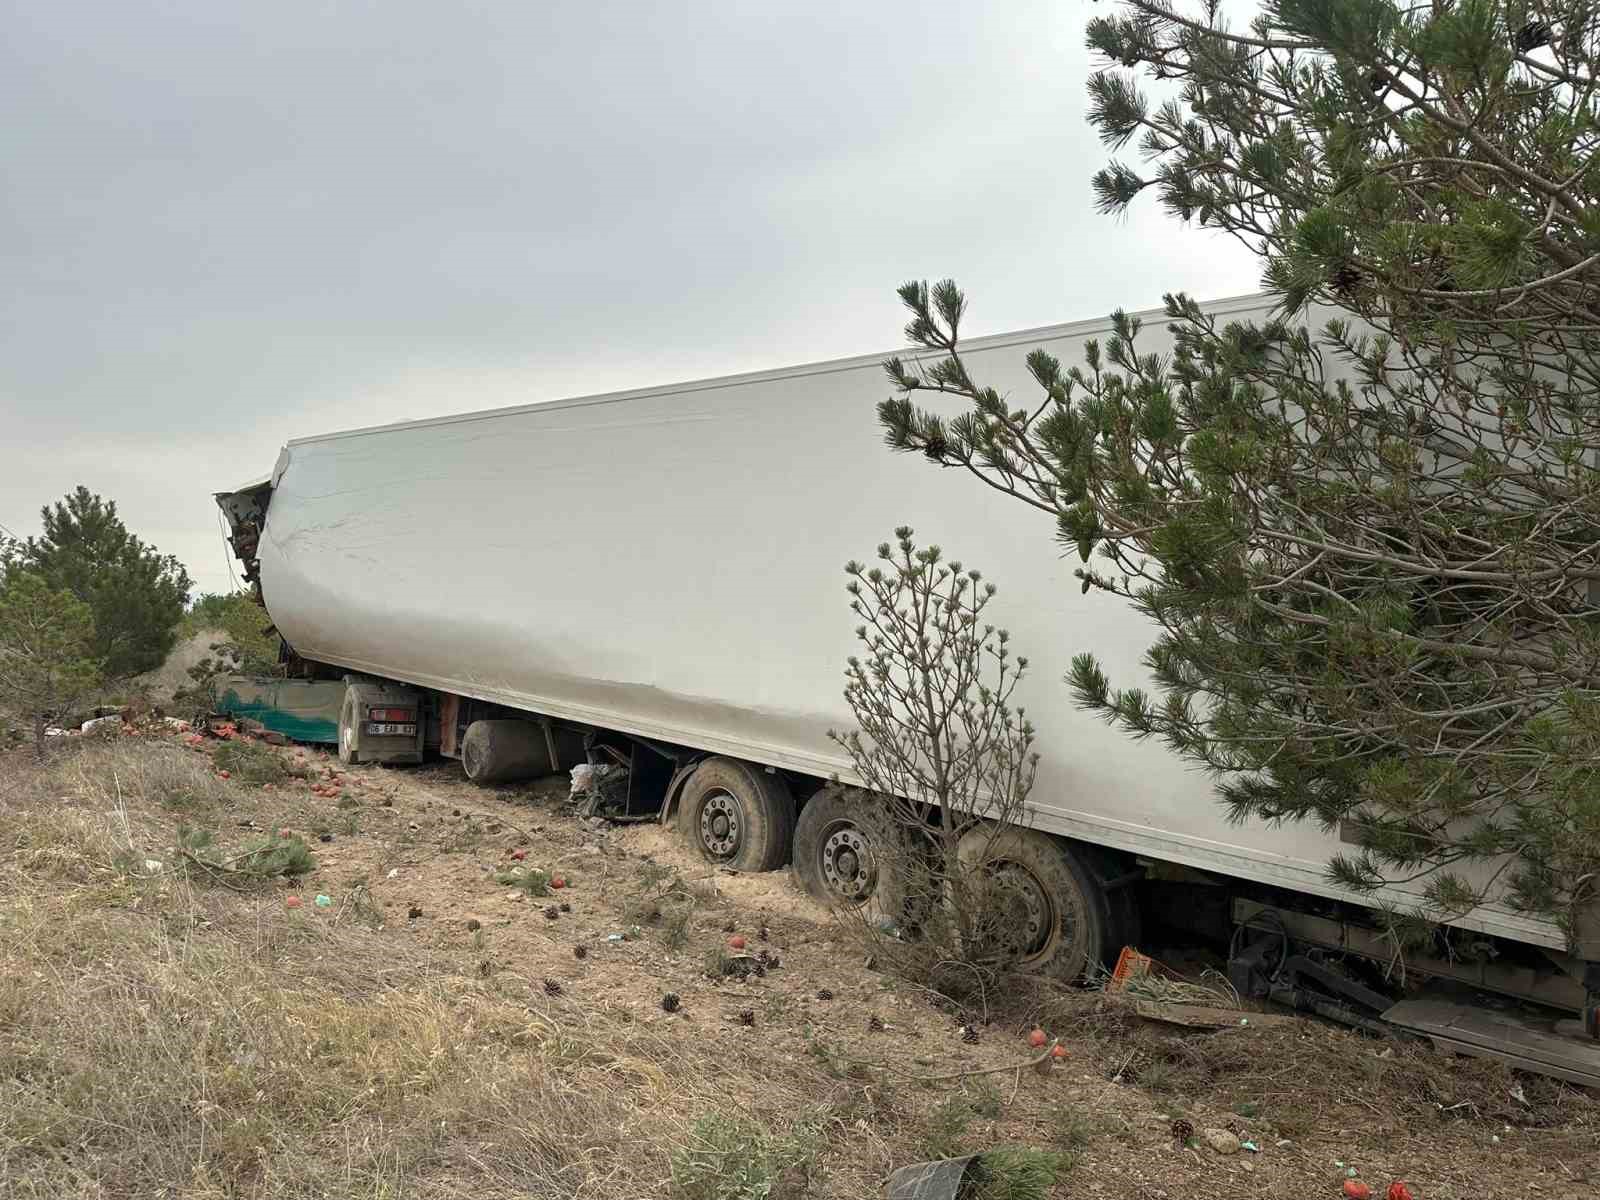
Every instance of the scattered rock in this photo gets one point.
(414, 911)
(1221, 1141)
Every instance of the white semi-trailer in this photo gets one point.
(658, 574)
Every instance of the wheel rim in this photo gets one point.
(1032, 919)
(721, 824)
(847, 862)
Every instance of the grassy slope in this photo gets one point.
(167, 1032)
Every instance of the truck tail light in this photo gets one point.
(404, 715)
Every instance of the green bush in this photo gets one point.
(1018, 1173)
(532, 880)
(251, 762)
(733, 1158)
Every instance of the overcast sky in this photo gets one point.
(223, 225)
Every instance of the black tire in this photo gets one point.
(347, 729)
(850, 851)
(737, 815)
(1063, 915)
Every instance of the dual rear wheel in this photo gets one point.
(1056, 915)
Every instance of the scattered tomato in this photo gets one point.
(736, 942)
(1398, 1191)
(291, 902)
(1059, 1053)
(1036, 1039)
(558, 881)
(1354, 1189)
(519, 855)
(224, 774)
(284, 833)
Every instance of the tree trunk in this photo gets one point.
(38, 735)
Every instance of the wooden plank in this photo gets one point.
(1198, 1016)
(1505, 1036)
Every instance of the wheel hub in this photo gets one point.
(1026, 913)
(847, 863)
(719, 825)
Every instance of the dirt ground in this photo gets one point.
(419, 871)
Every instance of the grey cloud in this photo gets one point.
(224, 225)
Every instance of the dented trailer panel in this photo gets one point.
(668, 563)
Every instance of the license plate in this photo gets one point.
(386, 730)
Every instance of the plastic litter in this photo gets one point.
(1250, 1146)
(942, 1180)
(323, 901)
(394, 873)
(1130, 964)
(615, 937)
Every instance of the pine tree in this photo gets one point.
(46, 661)
(136, 594)
(1370, 543)
(942, 747)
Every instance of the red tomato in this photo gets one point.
(224, 774)
(736, 942)
(558, 882)
(1059, 1053)
(291, 902)
(519, 855)
(1398, 1191)
(1036, 1039)
(1354, 1189)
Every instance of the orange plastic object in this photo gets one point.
(1129, 964)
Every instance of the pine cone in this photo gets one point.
(969, 1034)
(580, 952)
(552, 988)
(670, 1002)
(874, 1024)
(747, 1017)
(1182, 1131)
(551, 913)
(824, 994)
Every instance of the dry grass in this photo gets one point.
(163, 1037)
(156, 1036)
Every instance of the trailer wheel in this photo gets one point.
(850, 852)
(347, 729)
(737, 815)
(1057, 916)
